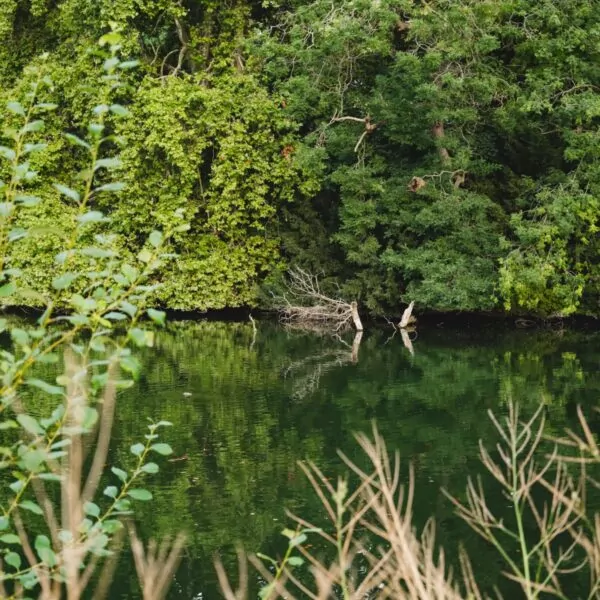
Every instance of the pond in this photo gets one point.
(246, 406)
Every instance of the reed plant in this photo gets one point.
(550, 535)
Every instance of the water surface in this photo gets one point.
(246, 407)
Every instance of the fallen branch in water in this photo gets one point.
(305, 306)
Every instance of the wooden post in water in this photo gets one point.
(356, 346)
(405, 321)
(356, 316)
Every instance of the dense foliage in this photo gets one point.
(444, 152)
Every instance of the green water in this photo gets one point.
(246, 408)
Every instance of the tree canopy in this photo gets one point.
(445, 152)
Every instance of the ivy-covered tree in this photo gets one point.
(442, 151)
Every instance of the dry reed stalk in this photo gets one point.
(401, 565)
(542, 494)
(156, 565)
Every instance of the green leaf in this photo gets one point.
(156, 238)
(13, 559)
(137, 449)
(16, 234)
(115, 316)
(44, 550)
(63, 281)
(92, 216)
(139, 494)
(4, 523)
(48, 557)
(33, 126)
(110, 64)
(131, 364)
(50, 477)
(29, 424)
(162, 448)
(111, 39)
(31, 506)
(47, 105)
(145, 255)
(122, 475)
(27, 200)
(7, 289)
(158, 316)
(108, 163)
(20, 336)
(94, 252)
(115, 186)
(150, 468)
(141, 338)
(299, 539)
(10, 538)
(17, 486)
(68, 192)
(111, 491)
(6, 208)
(129, 64)
(265, 591)
(16, 108)
(7, 153)
(32, 460)
(128, 308)
(46, 387)
(295, 561)
(112, 526)
(131, 273)
(77, 141)
(123, 504)
(32, 148)
(91, 509)
(90, 418)
(119, 110)
(96, 129)
(41, 541)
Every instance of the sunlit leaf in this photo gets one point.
(68, 192)
(122, 475)
(162, 448)
(137, 449)
(158, 316)
(30, 424)
(45, 386)
(111, 491)
(12, 559)
(139, 494)
(31, 507)
(16, 108)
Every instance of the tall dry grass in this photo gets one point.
(549, 535)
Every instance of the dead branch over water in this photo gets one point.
(305, 306)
